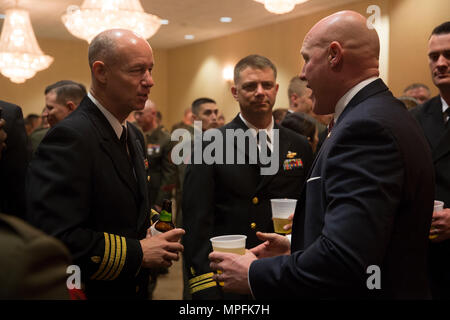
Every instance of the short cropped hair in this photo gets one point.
(297, 86)
(301, 123)
(415, 86)
(67, 90)
(254, 61)
(198, 102)
(443, 28)
(102, 48)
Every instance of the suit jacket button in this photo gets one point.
(255, 200)
(148, 178)
(253, 225)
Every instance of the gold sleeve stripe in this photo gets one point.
(111, 257)
(200, 278)
(200, 282)
(204, 286)
(116, 259)
(122, 259)
(105, 258)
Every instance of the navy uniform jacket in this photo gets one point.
(81, 189)
(430, 117)
(369, 201)
(221, 199)
(13, 163)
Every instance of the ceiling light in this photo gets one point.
(164, 21)
(280, 6)
(96, 16)
(20, 54)
(225, 19)
(189, 37)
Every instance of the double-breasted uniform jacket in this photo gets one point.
(368, 207)
(430, 117)
(82, 189)
(162, 170)
(14, 162)
(221, 199)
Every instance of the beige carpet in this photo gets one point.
(170, 285)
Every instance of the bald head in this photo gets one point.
(341, 50)
(121, 65)
(107, 44)
(350, 30)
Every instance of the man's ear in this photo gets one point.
(334, 54)
(99, 71)
(71, 105)
(234, 92)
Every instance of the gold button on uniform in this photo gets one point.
(255, 200)
(148, 178)
(253, 225)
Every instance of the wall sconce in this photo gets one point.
(228, 73)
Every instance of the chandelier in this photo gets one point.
(280, 6)
(20, 55)
(96, 16)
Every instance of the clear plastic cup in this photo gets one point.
(231, 243)
(281, 210)
(438, 206)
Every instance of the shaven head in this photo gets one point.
(339, 51)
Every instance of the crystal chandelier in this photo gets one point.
(280, 6)
(95, 16)
(20, 55)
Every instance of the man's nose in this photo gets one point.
(148, 79)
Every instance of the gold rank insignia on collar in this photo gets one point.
(291, 155)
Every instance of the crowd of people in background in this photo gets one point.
(366, 168)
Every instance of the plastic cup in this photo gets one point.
(281, 210)
(438, 206)
(231, 243)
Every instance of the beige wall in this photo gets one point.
(71, 63)
(185, 73)
(196, 70)
(411, 24)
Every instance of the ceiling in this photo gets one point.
(197, 17)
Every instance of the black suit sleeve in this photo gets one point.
(362, 181)
(13, 164)
(198, 221)
(60, 186)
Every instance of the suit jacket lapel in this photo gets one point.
(111, 145)
(433, 123)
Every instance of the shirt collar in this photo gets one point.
(348, 96)
(115, 124)
(444, 105)
(254, 130)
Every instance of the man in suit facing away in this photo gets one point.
(433, 117)
(87, 183)
(14, 161)
(369, 196)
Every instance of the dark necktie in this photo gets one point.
(123, 139)
(447, 117)
(259, 136)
